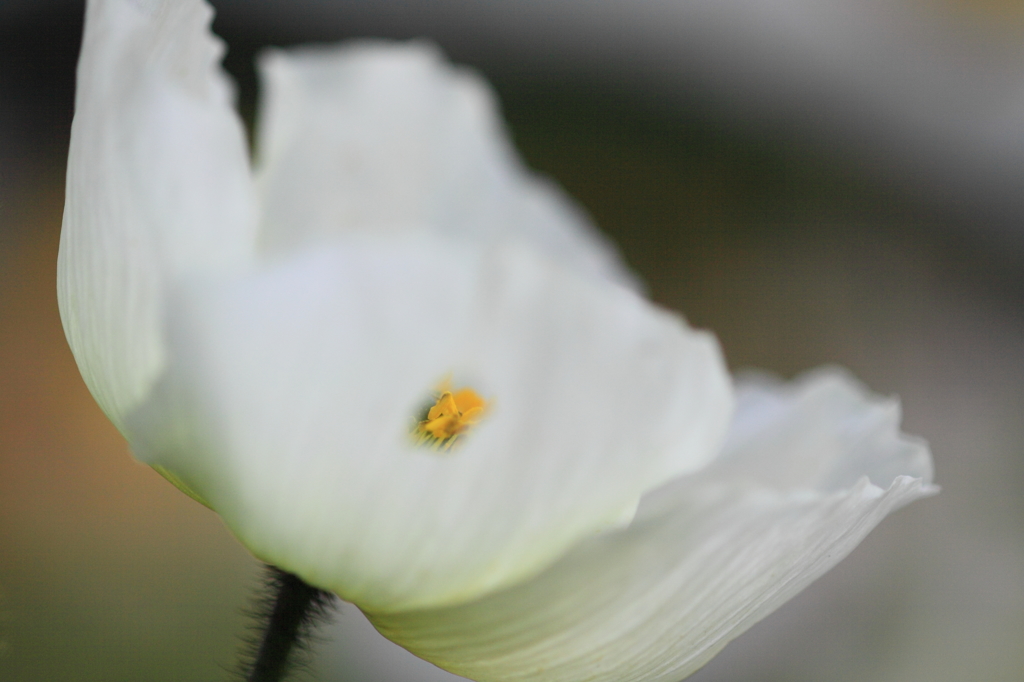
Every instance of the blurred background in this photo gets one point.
(818, 181)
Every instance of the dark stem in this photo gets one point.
(289, 615)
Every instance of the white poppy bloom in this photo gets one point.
(405, 369)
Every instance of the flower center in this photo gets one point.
(453, 414)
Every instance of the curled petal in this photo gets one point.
(291, 394)
(158, 187)
(381, 137)
(823, 431)
(706, 557)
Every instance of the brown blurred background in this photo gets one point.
(816, 182)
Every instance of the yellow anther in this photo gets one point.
(452, 415)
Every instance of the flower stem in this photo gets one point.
(288, 617)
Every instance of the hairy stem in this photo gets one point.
(288, 616)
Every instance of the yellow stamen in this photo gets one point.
(452, 415)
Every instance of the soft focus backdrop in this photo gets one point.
(816, 181)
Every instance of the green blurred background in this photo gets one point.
(798, 239)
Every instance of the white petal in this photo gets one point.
(158, 186)
(793, 436)
(378, 136)
(709, 556)
(290, 397)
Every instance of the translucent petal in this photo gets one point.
(706, 557)
(158, 186)
(291, 394)
(793, 435)
(379, 137)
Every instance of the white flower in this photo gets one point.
(270, 341)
